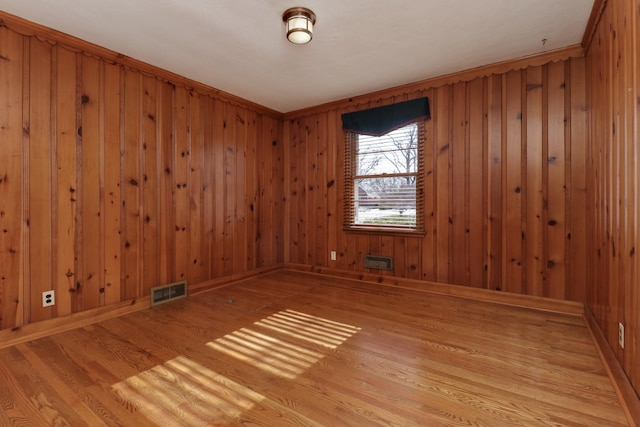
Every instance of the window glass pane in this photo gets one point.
(385, 201)
(393, 153)
(382, 176)
(379, 199)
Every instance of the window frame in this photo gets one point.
(350, 177)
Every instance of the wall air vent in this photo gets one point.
(378, 262)
(166, 293)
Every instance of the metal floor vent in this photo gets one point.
(379, 262)
(166, 293)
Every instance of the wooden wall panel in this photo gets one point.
(113, 181)
(39, 198)
(459, 194)
(230, 178)
(195, 261)
(150, 184)
(305, 225)
(320, 249)
(219, 186)
(131, 183)
(477, 194)
(274, 177)
(237, 164)
(513, 186)
(90, 269)
(333, 191)
(264, 237)
(612, 179)
(111, 165)
(555, 153)
(535, 165)
(64, 178)
(494, 188)
(499, 196)
(11, 179)
(294, 173)
(442, 109)
(181, 195)
(251, 207)
(208, 230)
(577, 194)
(428, 261)
(265, 195)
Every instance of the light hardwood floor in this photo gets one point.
(290, 348)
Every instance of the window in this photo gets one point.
(384, 179)
(384, 167)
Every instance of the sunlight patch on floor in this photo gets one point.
(279, 356)
(313, 329)
(186, 392)
(271, 355)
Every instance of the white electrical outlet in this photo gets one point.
(333, 255)
(621, 334)
(48, 298)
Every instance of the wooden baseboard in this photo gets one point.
(626, 394)
(9, 337)
(226, 280)
(539, 303)
(32, 331)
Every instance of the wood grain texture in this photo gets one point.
(106, 177)
(90, 186)
(289, 348)
(11, 180)
(65, 179)
(38, 178)
(499, 197)
(151, 150)
(514, 207)
(535, 163)
(612, 78)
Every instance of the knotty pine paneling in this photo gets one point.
(505, 189)
(89, 268)
(113, 181)
(12, 178)
(37, 135)
(613, 91)
(111, 204)
(64, 143)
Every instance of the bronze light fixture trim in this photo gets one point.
(299, 23)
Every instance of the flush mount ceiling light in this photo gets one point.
(299, 24)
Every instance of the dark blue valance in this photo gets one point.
(381, 120)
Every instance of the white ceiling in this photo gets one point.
(359, 46)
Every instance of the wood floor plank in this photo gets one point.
(289, 348)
